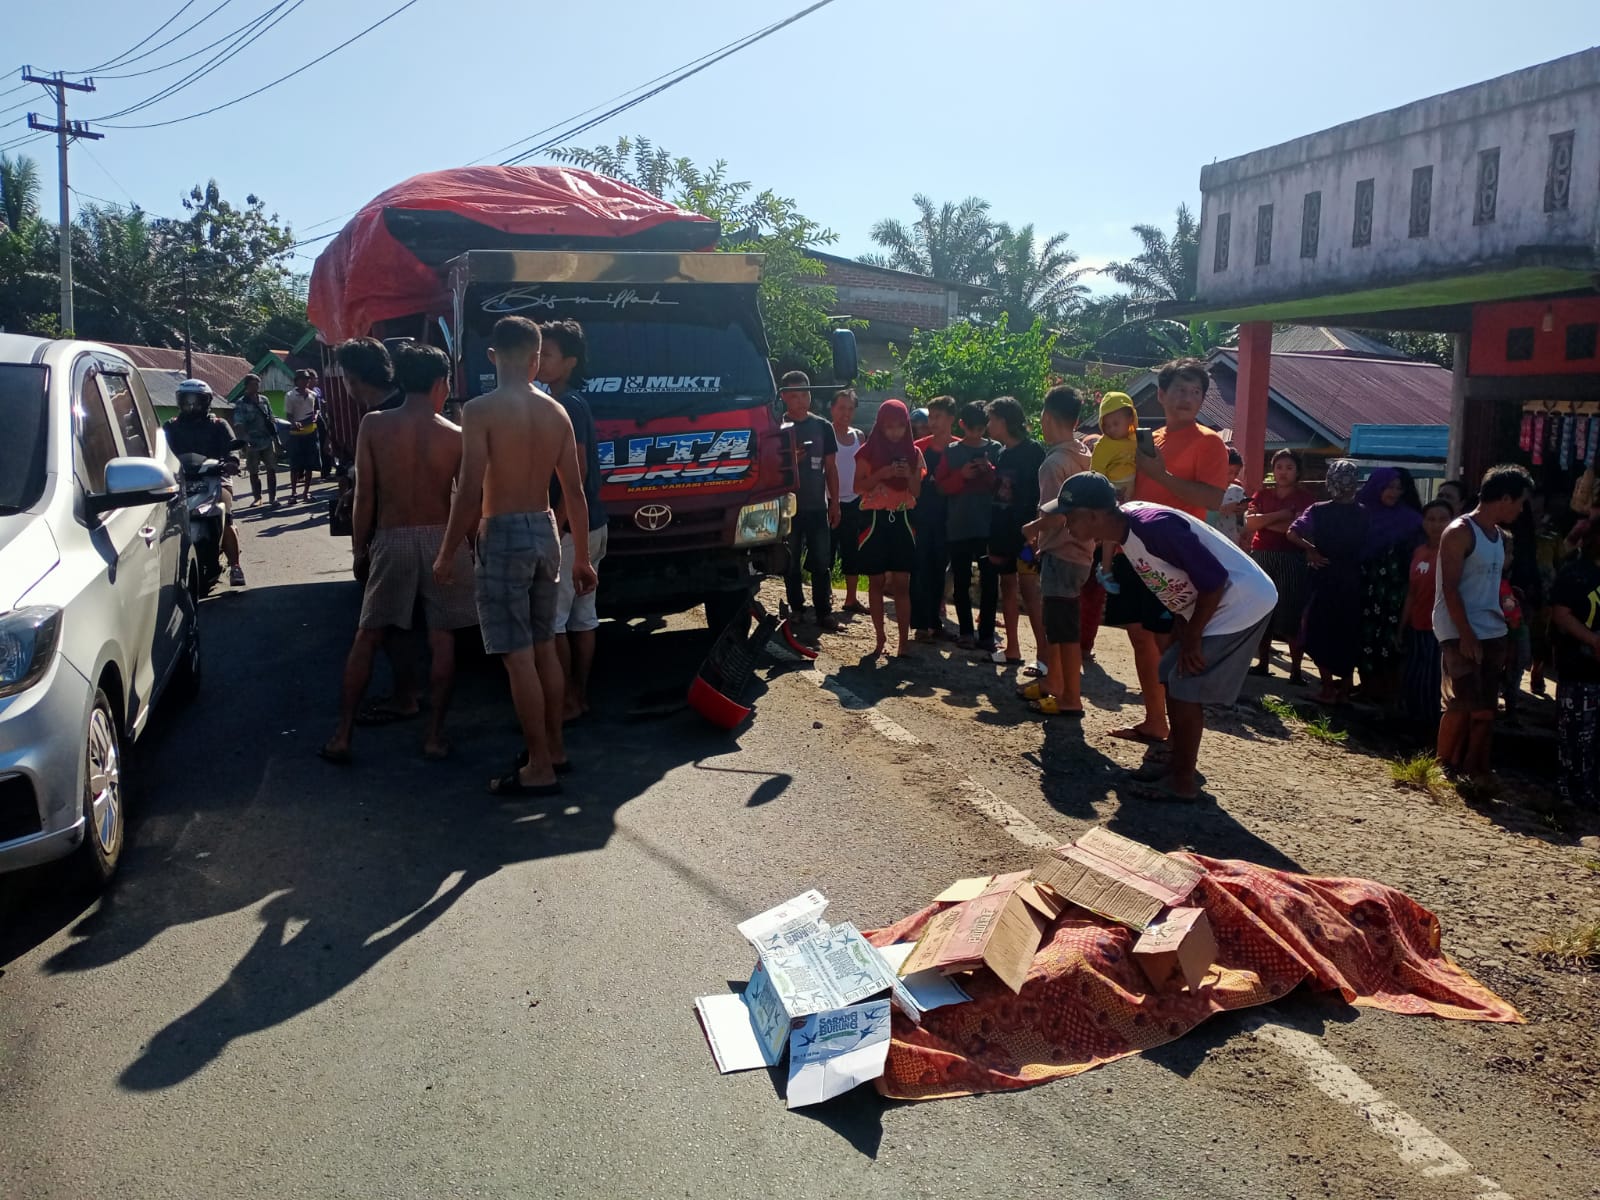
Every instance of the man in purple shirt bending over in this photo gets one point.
(1220, 599)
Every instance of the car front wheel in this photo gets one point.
(103, 796)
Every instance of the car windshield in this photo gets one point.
(23, 430)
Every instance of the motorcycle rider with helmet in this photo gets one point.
(195, 431)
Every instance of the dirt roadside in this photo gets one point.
(1498, 876)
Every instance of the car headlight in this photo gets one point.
(28, 640)
(766, 522)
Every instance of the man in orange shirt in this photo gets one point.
(1188, 471)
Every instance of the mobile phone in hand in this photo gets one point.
(1146, 440)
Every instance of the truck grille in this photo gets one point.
(19, 811)
(689, 529)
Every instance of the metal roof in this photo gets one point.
(1326, 339)
(221, 371)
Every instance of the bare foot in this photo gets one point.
(877, 651)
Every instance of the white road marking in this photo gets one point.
(988, 805)
(1417, 1145)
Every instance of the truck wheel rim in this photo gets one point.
(105, 783)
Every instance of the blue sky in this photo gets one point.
(1080, 117)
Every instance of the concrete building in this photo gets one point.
(1474, 213)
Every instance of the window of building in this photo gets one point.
(1310, 224)
(1421, 201)
(1488, 187)
(1366, 198)
(1581, 340)
(1219, 255)
(1263, 235)
(1519, 344)
(1558, 177)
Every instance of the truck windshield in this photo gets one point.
(22, 449)
(673, 349)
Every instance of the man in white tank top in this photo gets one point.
(1469, 624)
(847, 537)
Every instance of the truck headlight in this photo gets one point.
(28, 640)
(760, 524)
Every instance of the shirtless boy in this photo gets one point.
(406, 463)
(514, 439)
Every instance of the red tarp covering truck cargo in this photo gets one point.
(697, 484)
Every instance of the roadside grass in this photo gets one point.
(1422, 773)
(1319, 727)
(1591, 864)
(1577, 946)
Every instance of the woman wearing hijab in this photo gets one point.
(1332, 533)
(1393, 530)
(889, 472)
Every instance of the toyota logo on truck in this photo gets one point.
(652, 517)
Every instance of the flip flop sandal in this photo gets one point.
(1165, 795)
(379, 712)
(1138, 735)
(1034, 691)
(560, 768)
(511, 784)
(1035, 670)
(1049, 706)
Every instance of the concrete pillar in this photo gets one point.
(1250, 401)
(1461, 345)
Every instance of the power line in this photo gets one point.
(282, 78)
(677, 75)
(182, 33)
(250, 24)
(106, 171)
(614, 99)
(111, 62)
(240, 44)
(673, 82)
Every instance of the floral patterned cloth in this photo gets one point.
(1087, 1002)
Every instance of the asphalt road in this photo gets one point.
(379, 981)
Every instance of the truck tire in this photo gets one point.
(722, 608)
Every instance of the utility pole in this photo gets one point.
(65, 132)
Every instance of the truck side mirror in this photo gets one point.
(845, 362)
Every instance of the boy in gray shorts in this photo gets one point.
(519, 568)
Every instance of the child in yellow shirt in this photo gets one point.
(1114, 458)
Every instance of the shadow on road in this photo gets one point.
(342, 865)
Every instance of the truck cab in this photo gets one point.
(698, 473)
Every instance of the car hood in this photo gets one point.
(28, 552)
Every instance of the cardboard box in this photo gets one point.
(1117, 878)
(1179, 949)
(1000, 928)
(819, 993)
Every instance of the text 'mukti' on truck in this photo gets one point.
(698, 474)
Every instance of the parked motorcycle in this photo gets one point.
(202, 490)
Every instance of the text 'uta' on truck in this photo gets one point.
(698, 473)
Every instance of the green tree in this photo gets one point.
(953, 242)
(1436, 348)
(795, 306)
(122, 289)
(222, 256)
(28, 249)
(977, 362)
(1167, 268)
(1033, 279)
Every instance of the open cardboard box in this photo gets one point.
(1177, 950)
(1117, 878)
(997, 922)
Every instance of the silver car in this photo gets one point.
(97, 611)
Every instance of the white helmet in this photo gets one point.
(194, 397)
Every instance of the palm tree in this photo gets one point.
(19, 191)
(126, 293)
(1032, 279)
(1167, 269)
(954, 242)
